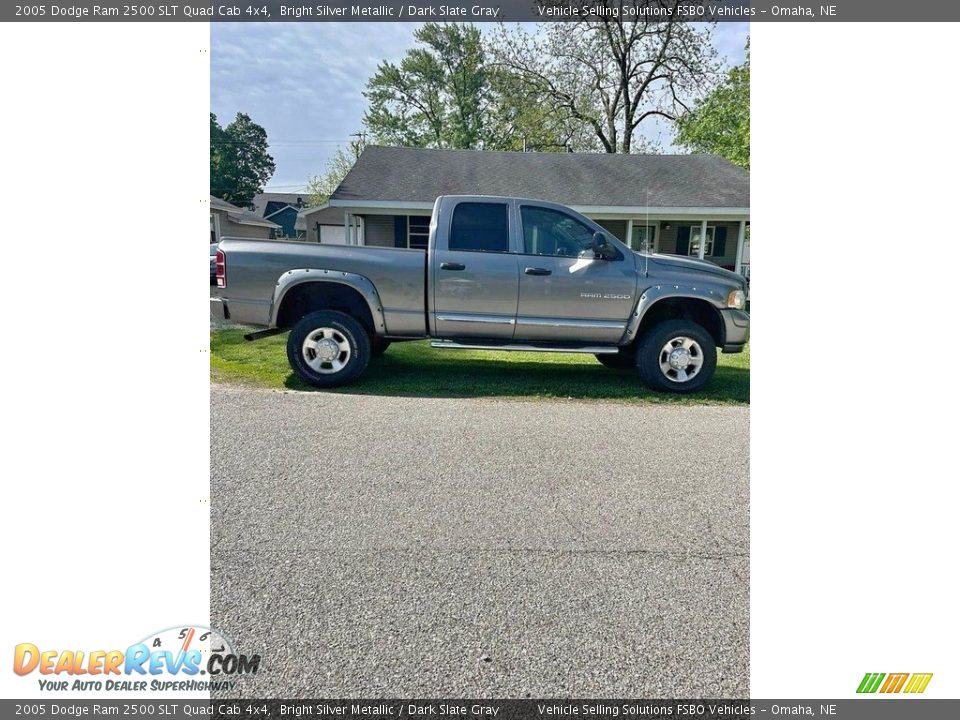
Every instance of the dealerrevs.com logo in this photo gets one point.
(910, 683)
(182, 658)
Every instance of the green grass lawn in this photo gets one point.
(414, 369)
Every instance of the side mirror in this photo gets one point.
(599, 244)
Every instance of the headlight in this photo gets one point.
(737, 299)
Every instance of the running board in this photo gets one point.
(594, 350)
(250, 337)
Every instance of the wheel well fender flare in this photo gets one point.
(655, 294)
(301, 276)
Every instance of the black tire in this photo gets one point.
(651, 351)
(378, 346)
(618, 361)
(344, 332)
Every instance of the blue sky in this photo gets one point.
(303, 82)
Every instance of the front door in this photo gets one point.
(566, 294)
(475, 275)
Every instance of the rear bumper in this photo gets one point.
(218, 309)
(736, 329)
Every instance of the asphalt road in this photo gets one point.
(398, 547)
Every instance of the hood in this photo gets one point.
(680, 262)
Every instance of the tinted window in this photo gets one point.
(551, 232)
(482, 227)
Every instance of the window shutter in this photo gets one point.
(399, 231)
(719, 242)
(683, 240)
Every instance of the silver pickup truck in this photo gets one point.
(499, 274)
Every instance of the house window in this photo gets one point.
(418, 231)
(644, 238)
(694, 250)
(480, 227)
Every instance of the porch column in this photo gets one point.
(741, 232)
(703, 239)
(629, 238)
(356, 230)
(346, 227)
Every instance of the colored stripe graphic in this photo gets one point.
(894, 682)
(870, 682)
(918, 682)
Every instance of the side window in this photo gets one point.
(480, 227)
(551, 232)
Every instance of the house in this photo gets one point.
(324, 224)
(280, 208)
(228, 220)
(695, 205)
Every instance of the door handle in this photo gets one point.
(452, 266)
(538, 271)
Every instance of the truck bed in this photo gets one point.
(399, 275)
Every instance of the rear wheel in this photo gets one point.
(676, 356)
(618, 361)
(328, 348)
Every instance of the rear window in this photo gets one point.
(480, 227)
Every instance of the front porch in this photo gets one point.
(727, 241)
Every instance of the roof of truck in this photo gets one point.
(419, 175)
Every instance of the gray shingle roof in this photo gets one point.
(580, 179)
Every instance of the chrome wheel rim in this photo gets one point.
(326, 350)
(681, 359)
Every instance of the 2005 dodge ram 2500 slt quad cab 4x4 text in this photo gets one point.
(500, 274)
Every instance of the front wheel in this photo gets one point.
(676, 356)
(328, 348)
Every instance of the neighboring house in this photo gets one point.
(280, 208)
(228, 220)
(694, 205)
(325, 224)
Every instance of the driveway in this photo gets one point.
(371, 546)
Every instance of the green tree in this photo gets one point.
(518, 117)
(239, 162)
(721, 123)
(611, 77)
(321, 187)
(435, 96)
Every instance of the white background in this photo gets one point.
(105, 516)
(854, 375)
(854, 379)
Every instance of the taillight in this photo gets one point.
(221, 269)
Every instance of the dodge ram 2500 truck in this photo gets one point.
(499, 273)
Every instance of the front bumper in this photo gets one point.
(736, 329)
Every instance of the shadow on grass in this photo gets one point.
(416, 370)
